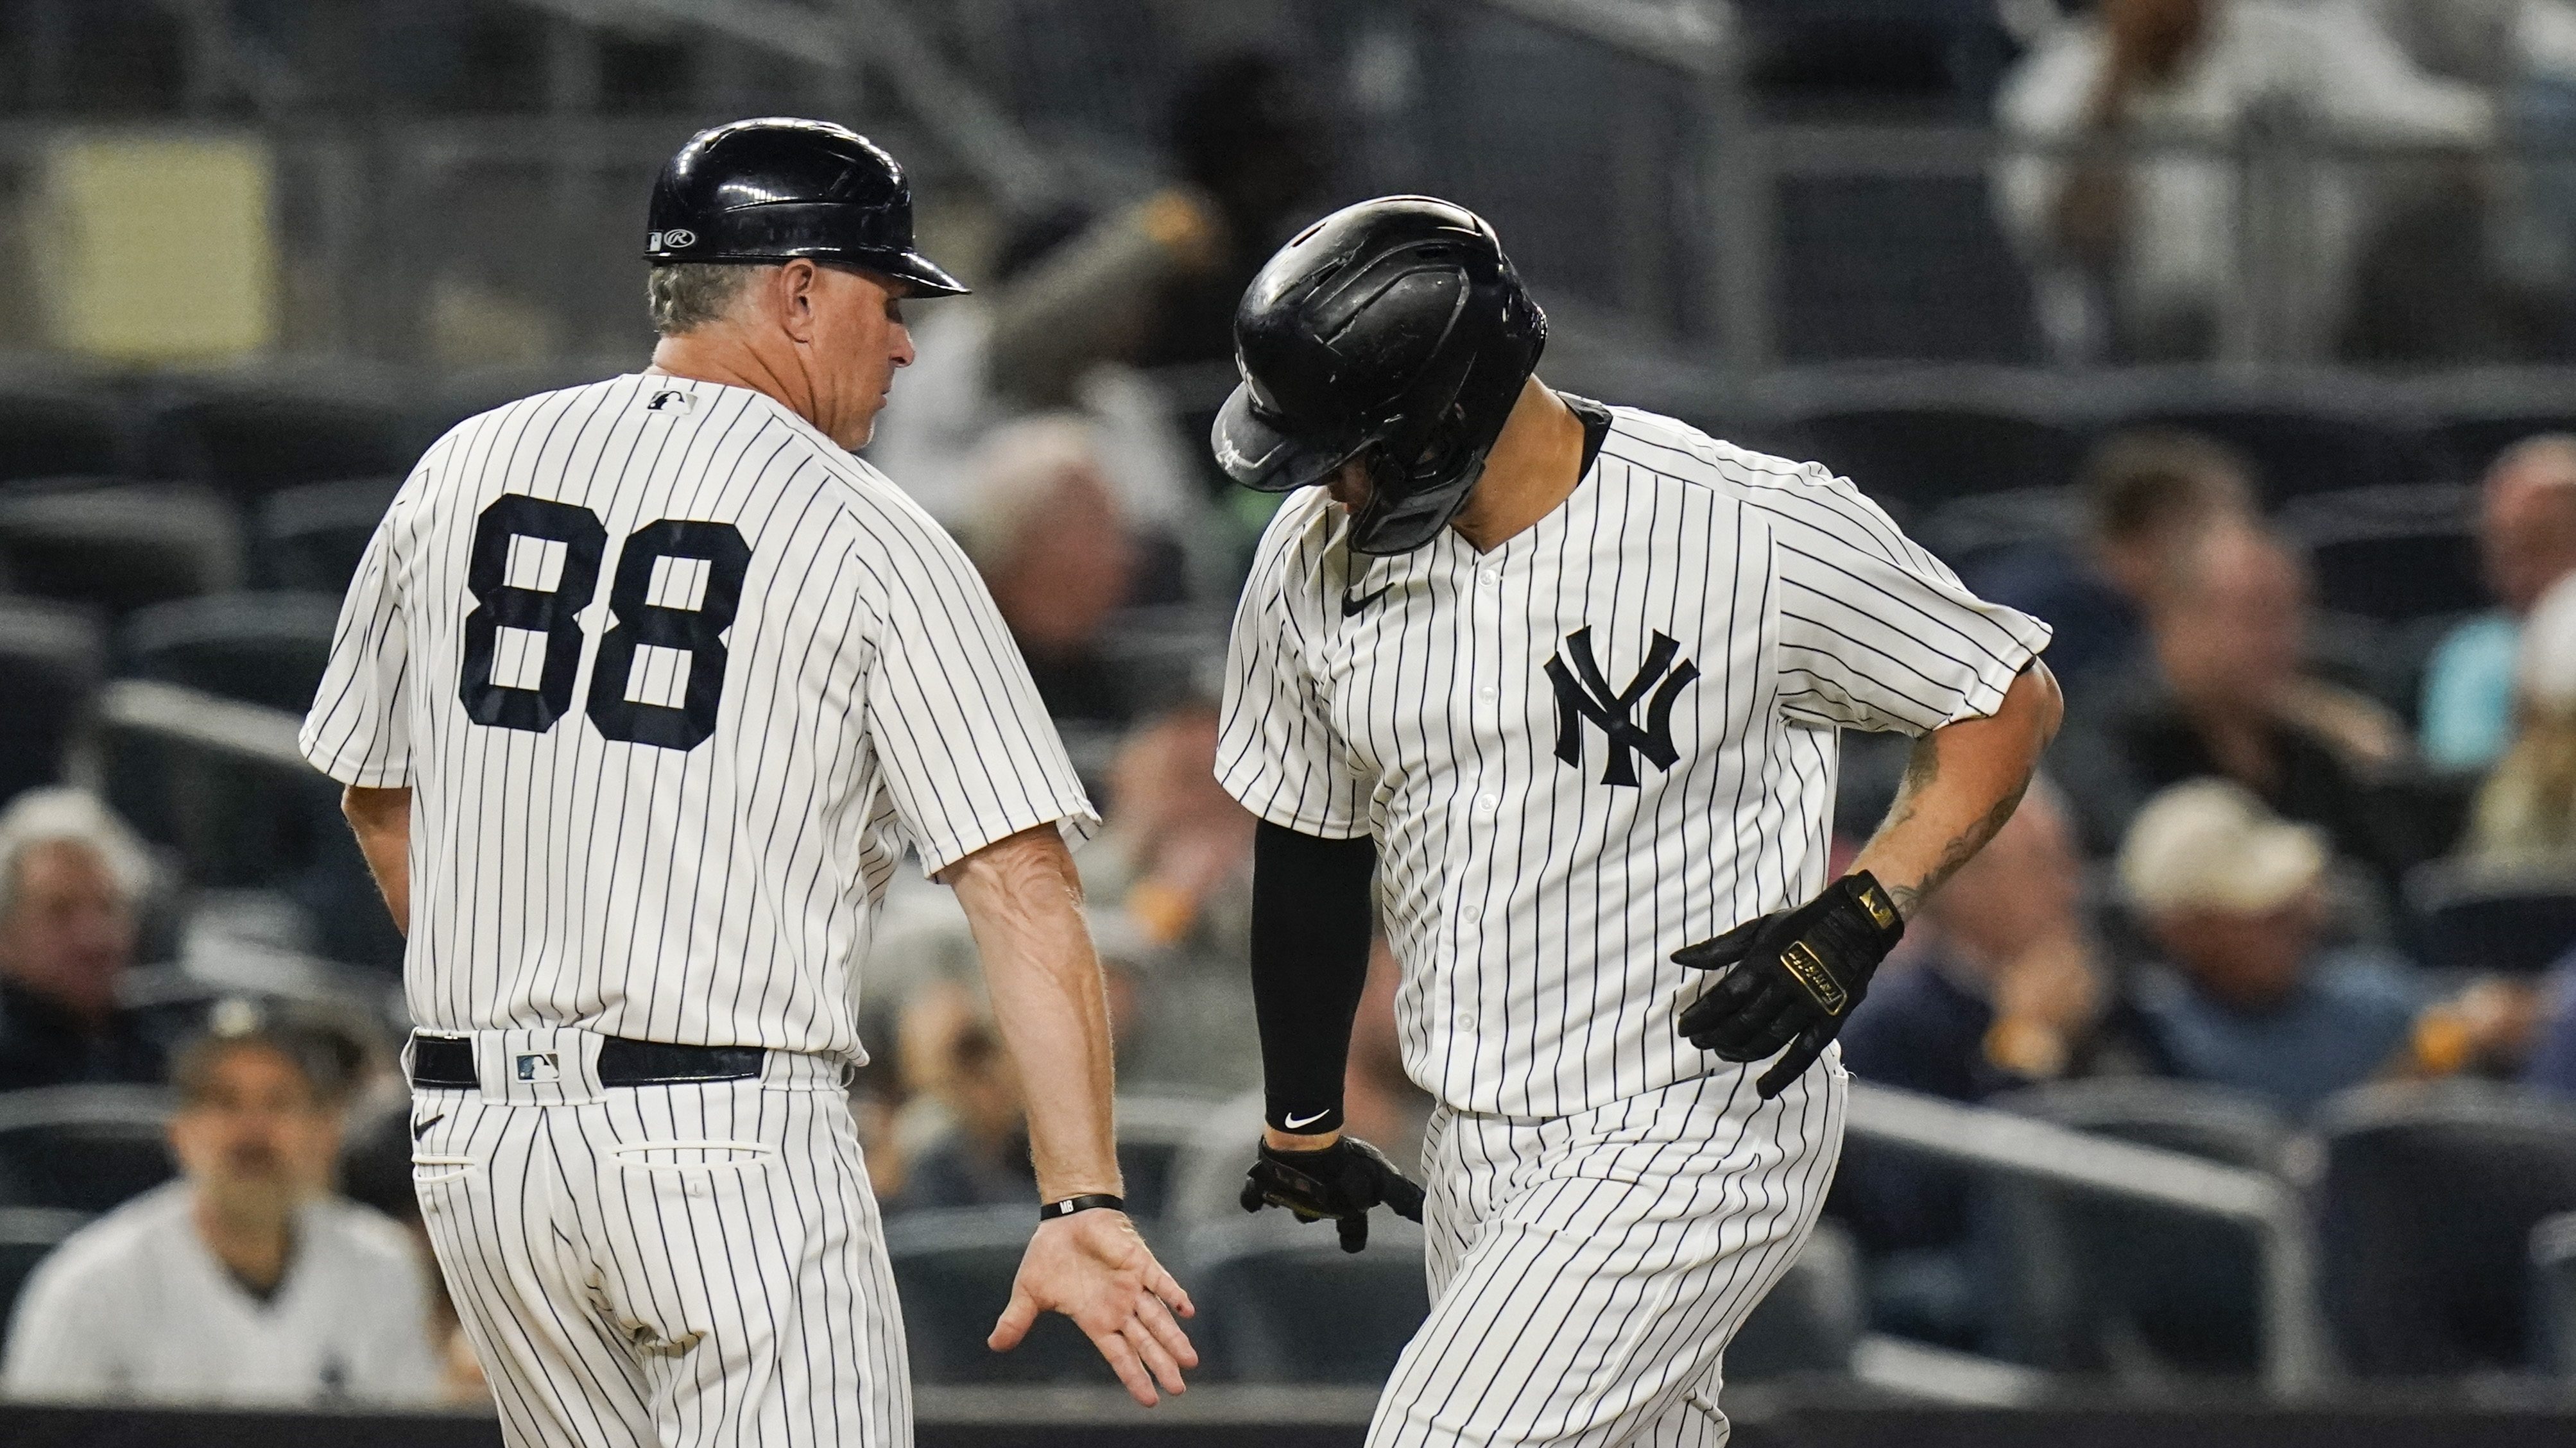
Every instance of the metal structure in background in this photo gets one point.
(1639, 186)
(2297, 1363)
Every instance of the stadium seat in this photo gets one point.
(250, 443)
(2553, 1275)
(953, 1271)
(1965, 530)
(51, 658)
(2471, 443)
(263, 648)
(2297, 452)
(1264, 1284)
(2091, 1283)
(2427, 1199)
(314, 534)
(82, 1148)
(2468, 919)
(1910, 268)
(2392, 553)
(28, 1235)
(119, 545)
(46, 434)
(1928, 455)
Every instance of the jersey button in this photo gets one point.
(1471, 913)
(1493, 577)
(1487, 803)
(1486, 691)
(1466, 1020)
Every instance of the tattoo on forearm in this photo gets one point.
(1958, 852)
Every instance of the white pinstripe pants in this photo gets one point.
(1588, 1271)
(665, 1266)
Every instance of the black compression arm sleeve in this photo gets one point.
(1310, 943)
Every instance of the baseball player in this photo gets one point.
(1567, 678)
(641, 693)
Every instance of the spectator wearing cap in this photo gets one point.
(2146, 496)
(245, 1281)
(2226, 694)
(71, 875)
(2245, 994)
(2527, 538)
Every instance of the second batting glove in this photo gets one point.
(1791, 977)
(1341, 1181)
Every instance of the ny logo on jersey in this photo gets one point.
(1581, 693)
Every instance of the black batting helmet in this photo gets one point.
(769, 190)
(1395, 328)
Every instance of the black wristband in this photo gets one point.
(1049, 1211)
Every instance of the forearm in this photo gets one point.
(381, 819)
(1961, 785)
(1024, 903)
(1310, 940)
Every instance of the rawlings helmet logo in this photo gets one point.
(676, 239)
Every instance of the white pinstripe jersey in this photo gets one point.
(674, 680)
(1612, 736)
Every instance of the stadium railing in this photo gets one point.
(2297, 1360)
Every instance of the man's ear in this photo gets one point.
(792, 297)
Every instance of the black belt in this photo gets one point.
(448, 1061)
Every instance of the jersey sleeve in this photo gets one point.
(1278, 753)
(969, 753)
(359, 730)
(1875, 633)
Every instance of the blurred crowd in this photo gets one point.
(2227, 875)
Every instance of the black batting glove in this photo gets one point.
(1341, 1181)
(1792, 978)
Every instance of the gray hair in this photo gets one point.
(59, 816)
(686, 295)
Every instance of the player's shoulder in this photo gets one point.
(1670, 449)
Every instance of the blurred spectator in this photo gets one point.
(1044, 527)
(2526, 814)
(1170, 883)
(2245, 996)
(2226, 695)
(974, 1149)
(2005, 989)
(945, 408)
(2527, 534)
(2146, 496)
(245, 1281)
(2138, 253)
(71, 875)
(1157, 284)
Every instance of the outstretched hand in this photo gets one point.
(1093, 1268)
